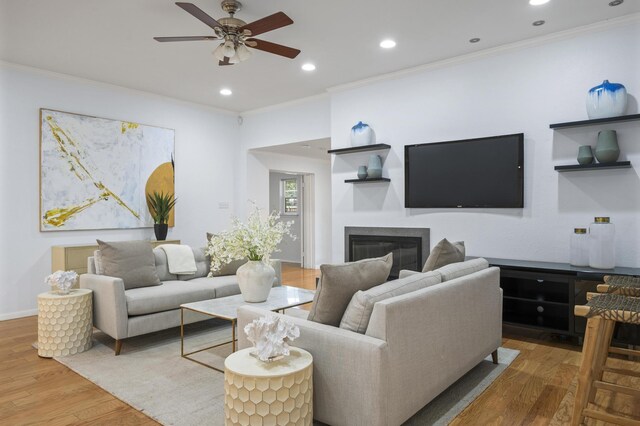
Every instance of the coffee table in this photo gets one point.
(226, 308)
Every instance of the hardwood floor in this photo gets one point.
(38, 391)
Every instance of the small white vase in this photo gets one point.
(255, 279)
(606, 100)
(362, 134)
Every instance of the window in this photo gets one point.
(289, 196)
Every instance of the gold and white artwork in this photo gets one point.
(95, 173)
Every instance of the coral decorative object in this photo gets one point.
(63, 280)
(362, 134)
(270, 336)
(607, 100)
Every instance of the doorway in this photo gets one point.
(291, 195)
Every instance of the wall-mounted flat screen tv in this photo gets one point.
(485, 172)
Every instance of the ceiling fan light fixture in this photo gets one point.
(242, 52)
(308, 67)
(219, 52)
(229, 49)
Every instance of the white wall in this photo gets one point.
(258, 166)
(205, 151)
(302, 120)
(509, 92)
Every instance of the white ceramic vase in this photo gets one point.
(606, 100)
(255, 279)
(362, 134)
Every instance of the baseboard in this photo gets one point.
(19, 314)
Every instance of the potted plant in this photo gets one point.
(160, 206)
(255, 240)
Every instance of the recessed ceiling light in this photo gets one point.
(538, 2)
(387, 44)
(225, 92)
(474, 40)
(538, 23)
(616, 2)
(308, 67)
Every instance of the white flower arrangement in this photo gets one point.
(256, 240)
(270, 336)
(61, 279)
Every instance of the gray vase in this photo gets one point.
(585, 155)
(362, 172)
(607, 149)
(375, 167)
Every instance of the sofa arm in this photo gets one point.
(109, 304)
(277, 266)
(349, 370)
(407, 273)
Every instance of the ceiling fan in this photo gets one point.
(237, 35)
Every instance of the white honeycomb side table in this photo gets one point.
(65, 323)
(278, 393)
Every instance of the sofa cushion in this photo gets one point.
(170, 295)
(338, 284)
(162, 266)
(225, 286)
(443, 254)
(202, 263)
(460, 269)
(132, 261)
(356, 317)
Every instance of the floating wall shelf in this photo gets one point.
(582, 123)
(364, 148)
(597, 166)
(367, 180)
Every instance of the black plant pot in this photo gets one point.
(161, 230)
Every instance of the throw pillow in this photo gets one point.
(133, 261)
(356, 317)
(444, 253)
(457, 270)
(338, 284)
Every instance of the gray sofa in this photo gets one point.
(416, 345)
(124, 313)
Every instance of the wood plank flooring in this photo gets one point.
(36, 391)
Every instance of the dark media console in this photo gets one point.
(542, 295)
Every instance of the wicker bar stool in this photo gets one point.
(626, 286)
(603, 311)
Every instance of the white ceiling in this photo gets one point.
(111, 41)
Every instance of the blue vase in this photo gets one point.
(361, 134)
(606, 100)
(375, 167)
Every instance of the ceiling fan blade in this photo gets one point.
(225, 62)
(278, 49)
(269, 23)
(199, 14)
(185, 38)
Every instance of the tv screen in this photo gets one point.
(486, 172)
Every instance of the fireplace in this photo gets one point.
(410, 246)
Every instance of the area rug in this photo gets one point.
(151, 376)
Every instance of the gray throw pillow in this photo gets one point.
(133, 261)
(338, 284)
(356, 317)
(460, 269)
(443, 254)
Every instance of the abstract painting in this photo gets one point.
(95, 173)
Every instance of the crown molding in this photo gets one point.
(101, 84)
(557, 36)
(286, 104)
